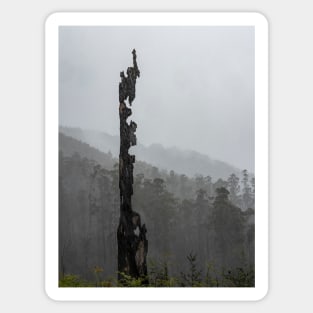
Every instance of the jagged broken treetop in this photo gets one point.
(127, 87)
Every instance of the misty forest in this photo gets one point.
(165, 217)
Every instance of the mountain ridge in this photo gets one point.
(182, 161)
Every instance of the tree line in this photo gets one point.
(211, 222)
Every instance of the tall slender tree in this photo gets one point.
(131, 235)
(233, 187)
(246, 192)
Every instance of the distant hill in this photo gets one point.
(186, 162)
(69, 146)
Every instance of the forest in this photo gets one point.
(200, 230)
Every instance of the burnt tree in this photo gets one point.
(131, 235)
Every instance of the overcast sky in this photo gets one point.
(196, 89)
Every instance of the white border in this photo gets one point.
(51, 155)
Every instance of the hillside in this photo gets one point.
(185, 162)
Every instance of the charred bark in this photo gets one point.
(131, 235)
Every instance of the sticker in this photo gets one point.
(156, 136)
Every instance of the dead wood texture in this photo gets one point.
(131, 235)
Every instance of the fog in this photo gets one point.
(196, 89)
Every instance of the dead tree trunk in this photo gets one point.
(131, 236)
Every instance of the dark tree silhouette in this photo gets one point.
(228, 224)
(234, 188)
(131, 235)
(247, 200)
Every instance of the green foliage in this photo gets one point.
(128, 281)
(211, 277)
(73, 281)
(158, 275)
(97, 271)
(193, 277)
(239, 278)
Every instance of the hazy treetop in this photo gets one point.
(196, 89)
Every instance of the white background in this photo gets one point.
(22, 112)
